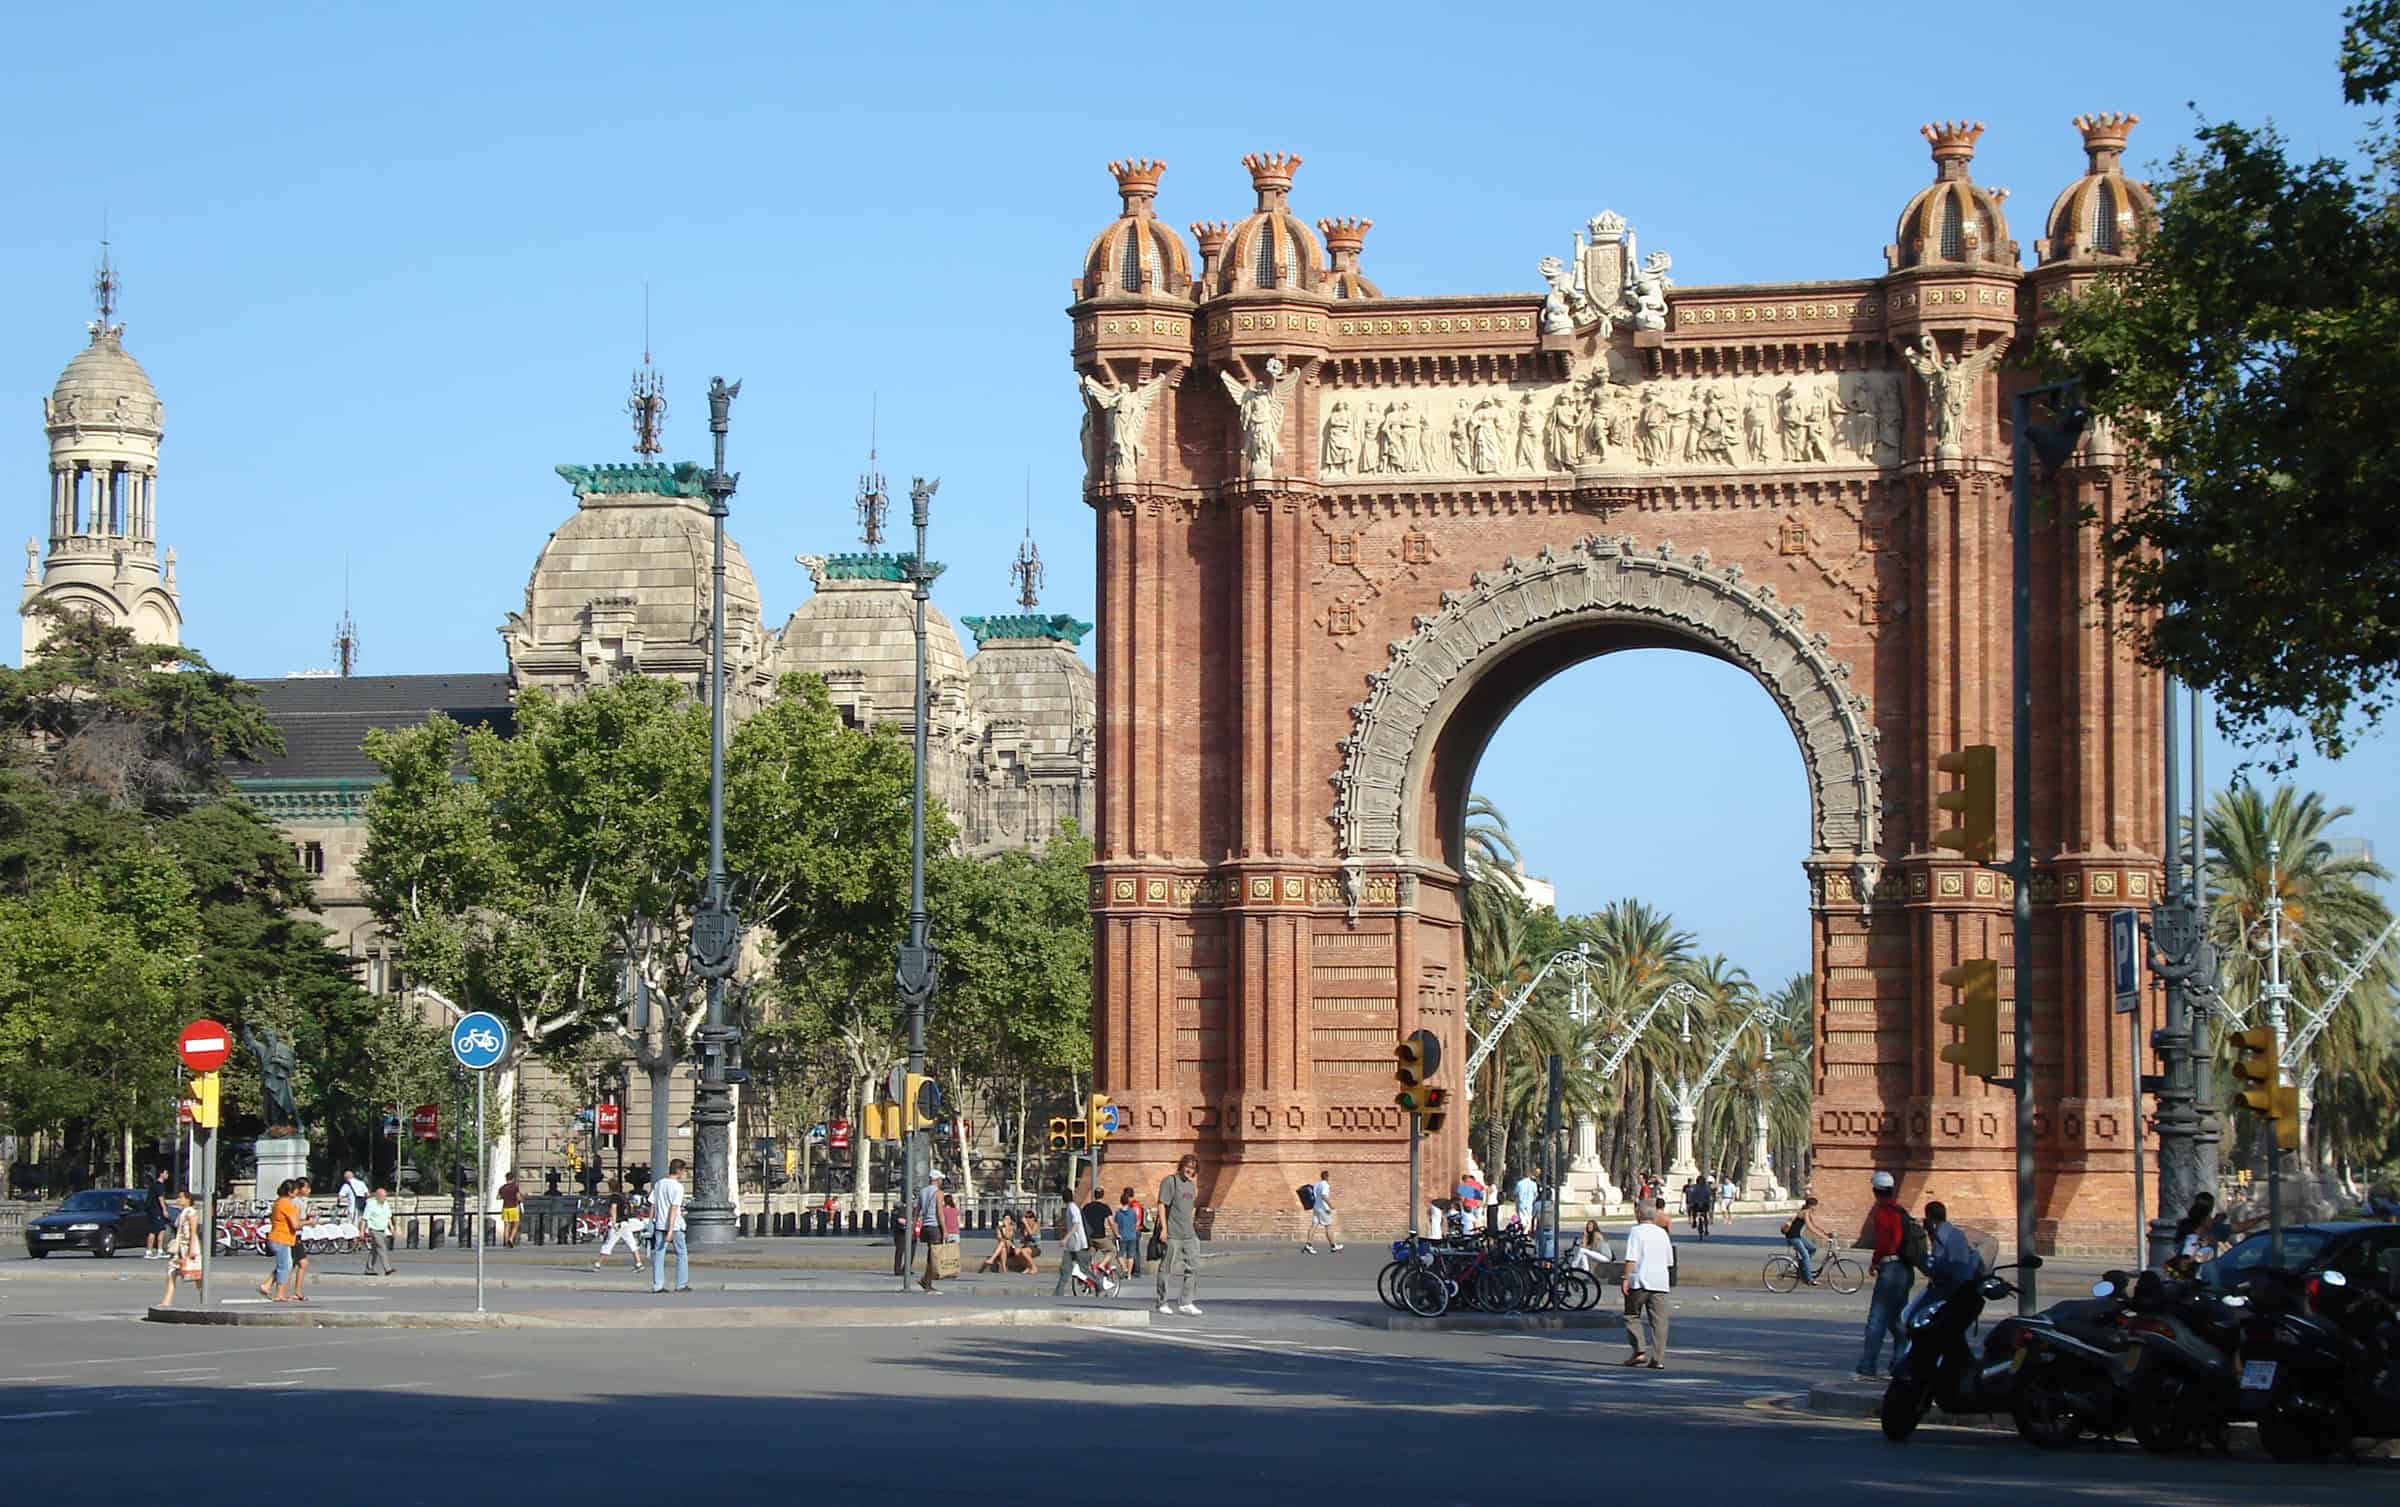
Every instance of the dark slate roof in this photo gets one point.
(324, 718)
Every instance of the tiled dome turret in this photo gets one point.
(1273, 248)
(1953, 221)
(1139, 253)
(1345, 239)
(2103, 213)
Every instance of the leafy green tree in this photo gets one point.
(2250, 354)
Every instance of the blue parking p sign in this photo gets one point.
(478, 1040)
(2125, 959)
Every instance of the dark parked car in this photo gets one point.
(2355, 1248)
(100, 1220)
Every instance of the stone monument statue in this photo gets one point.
(1262, 416)
(1949, 382)
(282, 1150)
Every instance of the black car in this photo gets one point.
(100, 1220)
(2355, 1248)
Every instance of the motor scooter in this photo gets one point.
(1941, 1367)
(2186, 1381)
(2072, 1362)
(2317, 1380)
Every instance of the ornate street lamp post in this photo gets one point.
(716, 930)
(915, 974)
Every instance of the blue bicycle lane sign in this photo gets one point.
(479, 1040)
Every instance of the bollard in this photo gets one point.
(412, 1234)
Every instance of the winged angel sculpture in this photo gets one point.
(1122, 409)
(1262, 408)
(1949, 382)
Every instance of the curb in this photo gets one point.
(1478, 1323)
(1847, 1397)
(651, 1318)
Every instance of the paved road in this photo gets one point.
(1279, 1391)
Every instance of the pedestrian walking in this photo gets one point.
(1649, 1277)
(1320, 1214)
(1469, 1193)
(283, 1233)
(929, 1227)
(1075, 1251)
(1129, 1233)
(512, 1210)
(666, 1230)
(1886, 1235)
(1526, 1194)
(1179, 1261)
(302, 1191)
(158, 1216)
(375, 1219)
(182, 1252)
(623, 1225)
(353, 1193)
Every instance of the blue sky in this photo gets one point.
(386, 268)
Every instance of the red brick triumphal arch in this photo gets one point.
(1341, 535)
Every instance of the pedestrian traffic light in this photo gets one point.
(205, 1100)
(1058, 1132)
(1437, 1102)
(1976, 800)
(1977, 1014)
(921, 1101)
(1102, 1118)
(2259, 1071)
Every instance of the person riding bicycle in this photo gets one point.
(1806, 1237)
(1699, 1196)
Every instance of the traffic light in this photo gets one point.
(1102, 1118)
(883, 1122)
(1079, 1136)
(1058, 1132)
(1437, 1102)
(920, 1101)
(205, 1100)
(1976, 800)
(2287, 1118)
(1977, 1014)
(2257, 1067)
(1420, 1057)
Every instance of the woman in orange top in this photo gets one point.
(283, 1239)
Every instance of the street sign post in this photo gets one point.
(2125, 983)
(204, 1046)
(479, 1041)
(609, 1119)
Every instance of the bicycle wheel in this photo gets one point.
(1386, 1282)
(1844, 1275)
(1422, 1293)
(1501, 1289)
(1578, 1290)
(1782, 1274)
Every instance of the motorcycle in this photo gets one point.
(2186, 1383)
(2074, 1360)
(1941, 1367)
(2316, 1380)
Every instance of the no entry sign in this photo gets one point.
(204, 1046)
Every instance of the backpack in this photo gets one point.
(1793, 1226)
(1308, 1196)
(1913, 1245)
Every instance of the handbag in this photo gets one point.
(1156, 1250)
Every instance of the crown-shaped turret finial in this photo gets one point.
(1210, 234)
(1137, 180)
(2104, 136)
(1271, 174)
(1953, 145)
(1345, 233)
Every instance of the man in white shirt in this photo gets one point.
(666, 1230)
(1320, 1213)
(354, 1196)
(929, 1227)
(1649, 1273)
(1074, 1253)
(1527, 1193)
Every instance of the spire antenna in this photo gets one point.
(106, 287)
(1027, 571)
(648, 404)
(345, 632)
(873, 501)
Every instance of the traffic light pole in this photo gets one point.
(1416, 1199)
(915, 975)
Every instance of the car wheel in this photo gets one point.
(34, 1255)
(105, 1246)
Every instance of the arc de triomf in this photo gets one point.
(1341, 534)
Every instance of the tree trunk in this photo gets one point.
(1016, 1177)
(662, 1096)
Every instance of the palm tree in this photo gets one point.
(1780, 1079)
(1638, 951)
(1493, 919)
(2329, 917)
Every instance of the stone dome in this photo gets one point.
(637, 555)
(2102, 214)
(1037, 716)
(1344, 240)
(1273, 248)
(859, 632)
(1138, 252)
(1953, 221)
(104, 386)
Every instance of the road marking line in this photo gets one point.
(54, 1413)
(502, 1375)
(395, 1386)
(256, 1385)
(298, 1370)
(181, 1402)
(31, 1378)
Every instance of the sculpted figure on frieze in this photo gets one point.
(1261, 408)
(1949, 383)
(1116, 414)
(1340, 450)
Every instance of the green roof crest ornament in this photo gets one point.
(617, 479)
(1058, 626)
(864, 567)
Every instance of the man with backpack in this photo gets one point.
(1317, 1198)
(1950, 1262)
(1890, 1235)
